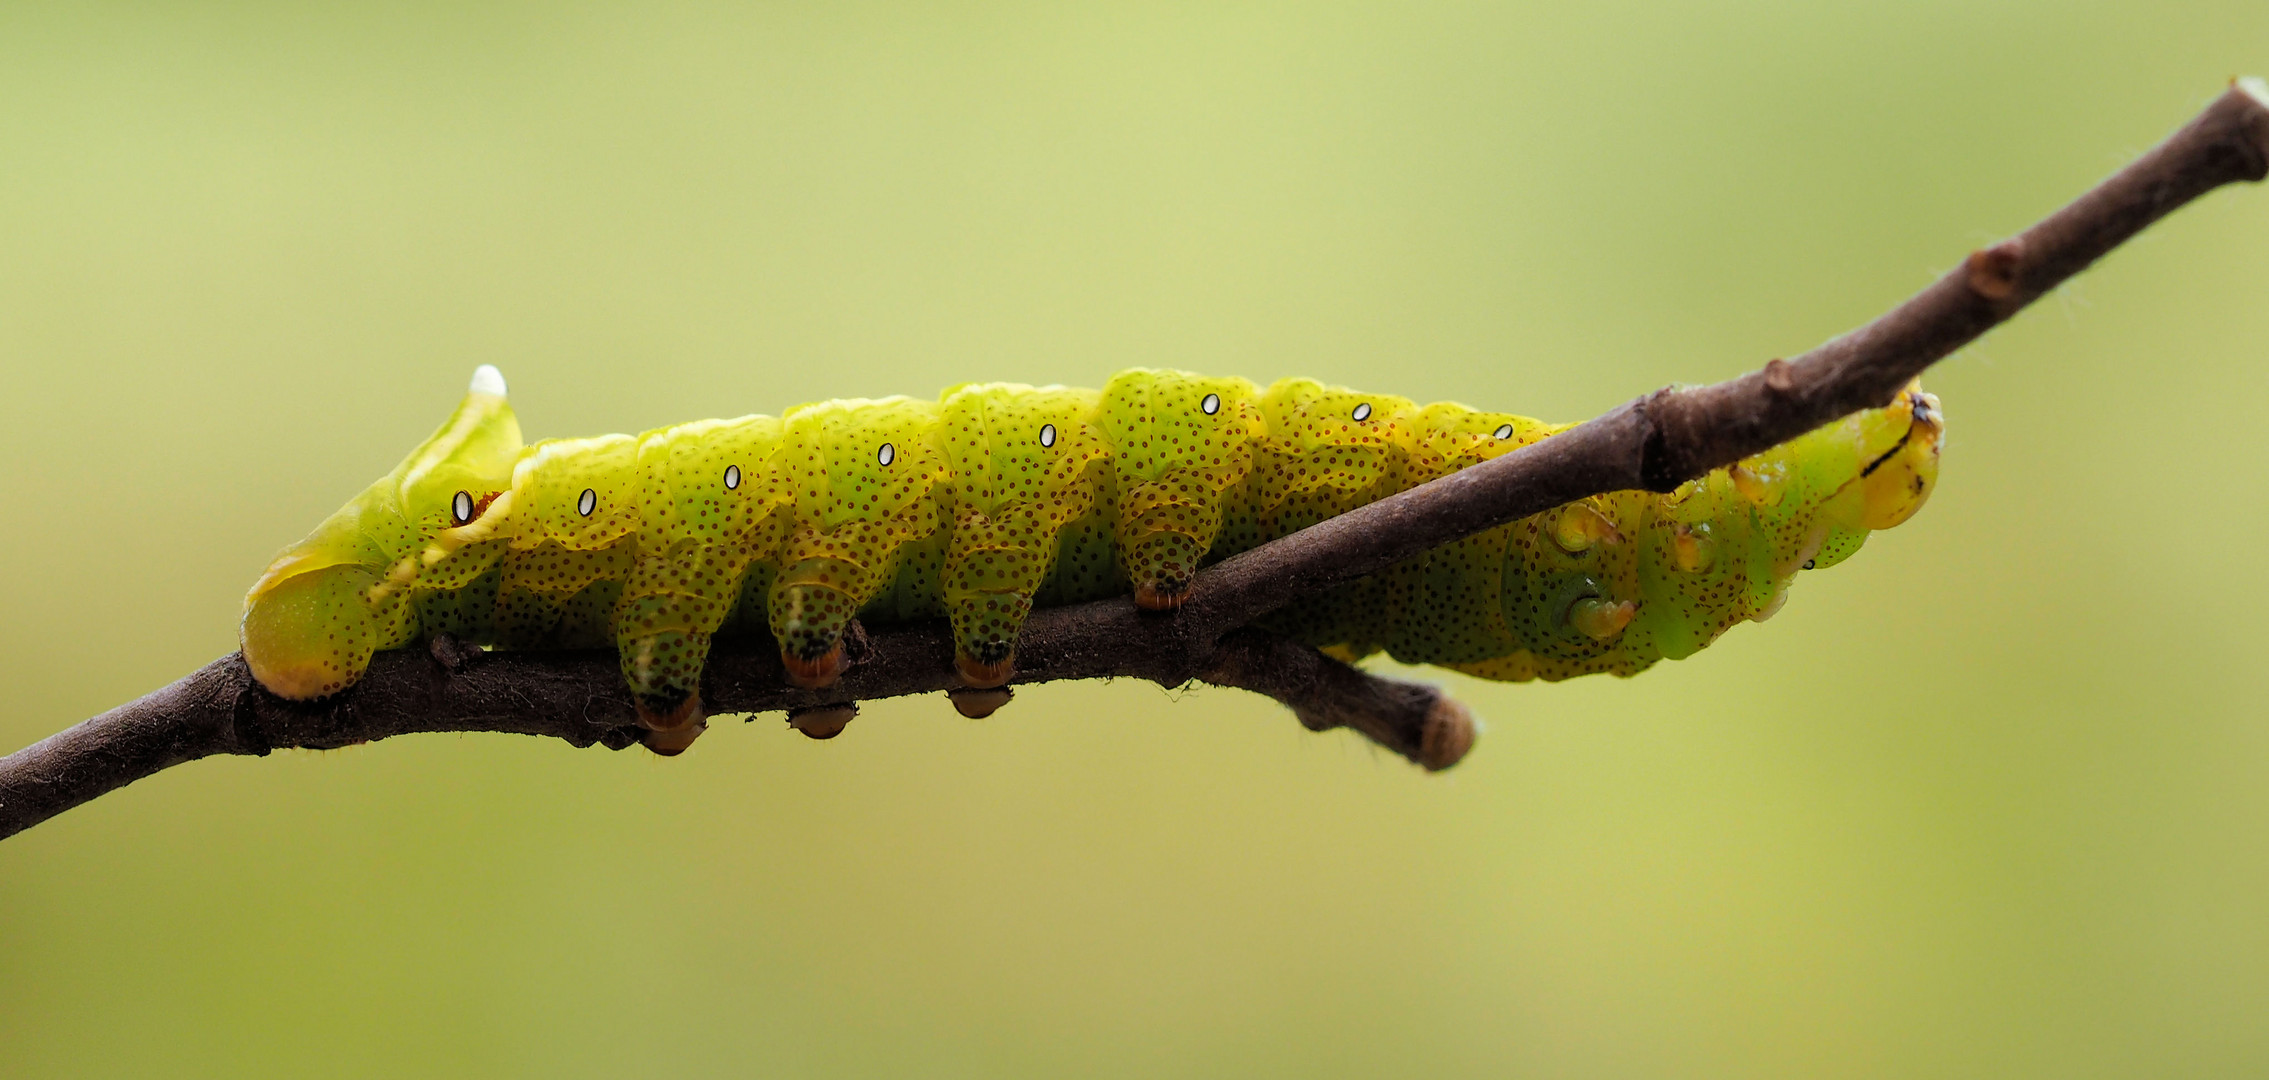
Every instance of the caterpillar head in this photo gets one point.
(326, 603)
(1871, 470)
(1897, 479)
(1721, 549)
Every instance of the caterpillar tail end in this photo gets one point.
(309, 635)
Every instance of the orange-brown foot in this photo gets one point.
(977, 703)
(982, 675)
(681, 715)
(816, 674)
(672, 743)
(823, 722)
(1155, 597)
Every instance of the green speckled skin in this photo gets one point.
(996, 498)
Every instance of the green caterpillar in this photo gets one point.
(996, 498)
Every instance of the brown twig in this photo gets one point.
(1655, 443)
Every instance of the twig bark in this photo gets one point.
(1655, 442)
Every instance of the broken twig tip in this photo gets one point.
(1447, 736)
(1779, 377)
(2252, 86)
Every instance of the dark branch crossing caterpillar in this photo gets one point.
(996, 498)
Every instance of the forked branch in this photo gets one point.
(1655, 443)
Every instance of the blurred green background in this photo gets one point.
(1988, 800)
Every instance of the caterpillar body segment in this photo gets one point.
(1021, 460)
(1179, 442)
(997, 498)
(860, 477)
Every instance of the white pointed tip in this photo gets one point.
(487, 380)
(2255, 86)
